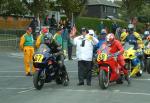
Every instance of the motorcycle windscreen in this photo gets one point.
(127, 46)
(43, 48)
(104, 48)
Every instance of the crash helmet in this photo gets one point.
(146, 33)
(110, 38)
(48, 38)
(130, 28)
(44, 30)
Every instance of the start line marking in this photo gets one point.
(92, 91)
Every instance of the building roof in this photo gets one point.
(101, 2)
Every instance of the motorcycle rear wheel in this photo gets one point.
(103, 79)
(37, 80)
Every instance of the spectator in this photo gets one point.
(101, 26)
(47, 21)
(26, 44)
(114, 27)
(33, 25)
(53, 25)
(84, 52)
(58, 37)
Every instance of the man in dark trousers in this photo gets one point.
(84, 52)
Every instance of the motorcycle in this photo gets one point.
(131, 58)
(109, 70)
(47, 68)
(147, 57)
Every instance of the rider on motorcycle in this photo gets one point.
(55, 49)
(132, 37)
(117, 50)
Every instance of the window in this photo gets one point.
(104, 9)
(114, 10)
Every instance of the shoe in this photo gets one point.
(81, 83)
(70, 59)
(29, 74)
(127, 78)
(89, 84)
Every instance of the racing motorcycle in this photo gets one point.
(109, 70)
(47, 68)
(147, 57)
(131, 58)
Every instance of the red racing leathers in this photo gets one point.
(116, 47)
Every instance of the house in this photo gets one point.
(101, 9)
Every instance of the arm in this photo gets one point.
(38, 41)
(120, 48)
(22, 41)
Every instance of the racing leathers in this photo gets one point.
(117, 48)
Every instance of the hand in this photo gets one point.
(90, 37)
(116, 54)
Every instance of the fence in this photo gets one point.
(8, 41)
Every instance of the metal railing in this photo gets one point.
(8, 41)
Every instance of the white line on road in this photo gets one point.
(11, 71)
(26, 90)
(12, 76)
(23, 71)
(13, 88)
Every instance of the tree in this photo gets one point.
(132, 7)
(72, 6)
(8, 7)
(38, 7)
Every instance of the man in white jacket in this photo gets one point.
(84, 52)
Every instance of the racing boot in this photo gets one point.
(127, 78)
(135, 70)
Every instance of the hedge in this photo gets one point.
(94, 23)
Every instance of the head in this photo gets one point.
(44, 30)
(84, 31)
(110, 38)
(53, 16)
(124, 30)
(103, 32)
(146, 33)
(130, 28)
(91, 32)
(148, 38)
(48, 38)
(59, 30)
(29, 30)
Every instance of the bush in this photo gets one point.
(94, 23)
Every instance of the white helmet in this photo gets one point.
(146, 33)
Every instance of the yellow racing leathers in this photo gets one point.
(124, 35)
(40, 40)
(26, 44)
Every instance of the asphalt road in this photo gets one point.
(15, 87)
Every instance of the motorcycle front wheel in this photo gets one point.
(38, 80)
(103, 79)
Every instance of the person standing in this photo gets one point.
(26, 44)
(84, 52)
(40, 38)
(53, 25)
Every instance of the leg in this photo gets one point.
(81, 72)
(31, 59)
(89, 72)
(69, 52)
(27, 60)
